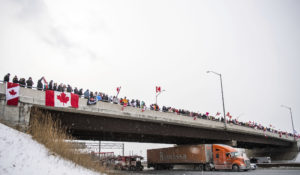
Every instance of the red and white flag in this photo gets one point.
(158, 89)
(118, 89)
(12, 93)
(61, 99)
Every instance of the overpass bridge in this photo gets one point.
(106, 121)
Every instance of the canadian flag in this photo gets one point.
(12, 93)
(61, 99)
(158, 89)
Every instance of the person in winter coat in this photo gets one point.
(76, 91)
(22, 82)
(60, 87)
(92, 95)
(87, 94)
(40, 84)
(6, 77)
(64, 88)
(69, 88)
(54, 87)
(80, 93)
(50, 85)
(29, 83)
(15, 79)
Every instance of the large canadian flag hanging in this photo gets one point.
(12, 93)
(61, 99)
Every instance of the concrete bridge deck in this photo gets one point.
(106, 121)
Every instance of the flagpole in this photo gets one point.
(118, 91)
(158, 95)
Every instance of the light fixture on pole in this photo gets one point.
(220, 76)
(289, 108)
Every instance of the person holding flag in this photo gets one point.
(125, 103)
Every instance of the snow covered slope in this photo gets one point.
(20, 155)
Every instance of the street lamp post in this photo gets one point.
(289, 108)
(158, 95)
(222, 96)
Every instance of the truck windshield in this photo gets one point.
(235, 154)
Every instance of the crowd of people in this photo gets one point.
(93, 97)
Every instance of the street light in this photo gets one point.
(222, 95)
(289, 108)
(158, 95)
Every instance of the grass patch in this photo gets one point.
(50, 133)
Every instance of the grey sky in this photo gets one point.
(140, 44)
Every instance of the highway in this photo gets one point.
(269, 171)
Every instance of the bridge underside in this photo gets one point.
(94, 127)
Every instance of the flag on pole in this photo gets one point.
(158, 89)
(118, 89)
(12, 93)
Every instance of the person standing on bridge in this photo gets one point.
(80, 93)
(50, 85)
(40, 84)
(60, 87)
(69, 88)
(6, 77)
(76, 91)
(29, 83)
(87, 94)
(54, 87)
(22, 82)
(15, 79)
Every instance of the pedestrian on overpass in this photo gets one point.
(6, 77)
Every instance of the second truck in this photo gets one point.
(202, 157)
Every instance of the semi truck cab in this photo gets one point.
(226, 157)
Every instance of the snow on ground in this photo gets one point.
(21, 155)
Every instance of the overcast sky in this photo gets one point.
(138, 45)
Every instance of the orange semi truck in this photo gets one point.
(204, 156)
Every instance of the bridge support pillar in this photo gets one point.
(279, 153)
(15, 116)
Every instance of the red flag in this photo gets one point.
(158, 89)
(118, 89)
(12, 93)
(61, 99)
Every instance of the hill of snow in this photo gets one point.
(20, 154)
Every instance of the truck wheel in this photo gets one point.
(207, 167)
(235, 168)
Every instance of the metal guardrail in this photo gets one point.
(271, 165)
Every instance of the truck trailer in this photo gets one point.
(203, 157)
